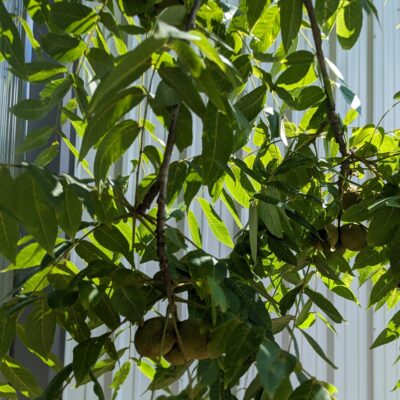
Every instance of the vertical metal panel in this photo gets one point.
(11, 130)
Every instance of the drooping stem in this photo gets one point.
(333, 117)
(155, 188)
(161, 203)
(162, 183)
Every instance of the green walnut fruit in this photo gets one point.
(194, 339)
(175, 356)
(353, 237)
(350, 197)
(149, 340)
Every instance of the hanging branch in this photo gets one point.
(333, 117)
(156, 187)
(162, 184)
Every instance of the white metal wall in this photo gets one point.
(370, 70)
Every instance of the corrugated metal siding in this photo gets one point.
(370, 70)
(11, 130)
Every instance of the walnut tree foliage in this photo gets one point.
(322, 195)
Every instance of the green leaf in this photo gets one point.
(36, 138)
(217, 145)
(390, 333)
(97, 389)
(242, 343)
(8, 392)
(254, 10)
(129, 301)
(274, 365)
(105, 311)
(184, 129)
(349, 23)
(230, 205)
(291, 15)
(383, 224)
(317, 348)
(40, 71)
(385, 284)
(325, 9)
(31, 109)
(308, 97)
(20, 378)
(70, 212)
(9, 235)
(216, 224)
(129, 68)
(279, 324)
(266, 29)
(164, 377)
(107, 115)
(253, 231)
(287, 301)
(29, 34)
(7, 334)
(40, 327)
(85, 355)
(34, 211)
(112, 239)
(55, 91)
(183, 87)
(310, 390)
(271, 216)
(47, 155)
(227, 68)
(120, 377)
(188, 57)
(11, 47)
(251, 104)
(73, 18)
(325, 305)
(63, 47)
(194, 229)
(7, 192)
(176, 178)
(56, 385)
(29, 256)
(112, 148)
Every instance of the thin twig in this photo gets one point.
(333, 117)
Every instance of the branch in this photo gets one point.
(333, 117)
(161, 202)
(162, 183)
(155, 188)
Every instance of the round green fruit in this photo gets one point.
(149, 340)
(194, 339)
(175, 356)
(350, 197)
(353, 237)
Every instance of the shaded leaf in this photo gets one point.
(325, 305)
(274, 365)
(113, 147)
(129, 68)
(35, 212)
(20, 378)
(107, 115)
(217, 145)
(7, 334)
(291, 14)
(85, 355)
